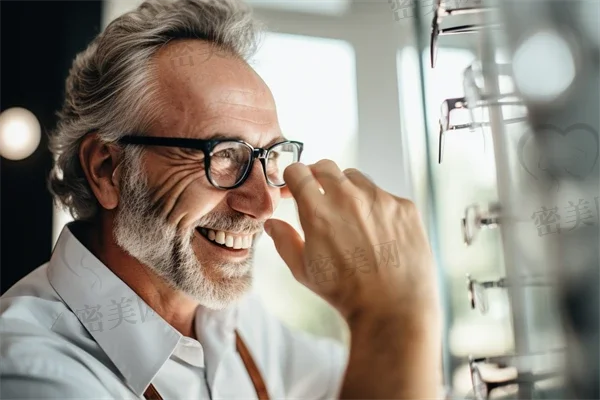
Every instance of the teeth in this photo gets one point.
(237, 243)
(227, 239)
(220, 237)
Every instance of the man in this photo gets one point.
(147, 292)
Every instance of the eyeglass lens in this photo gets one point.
(230, 162)
(280, 157)
(479, 297)
(469, 224)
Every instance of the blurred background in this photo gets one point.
(352, 80)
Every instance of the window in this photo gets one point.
(329, 7)
(314, 85)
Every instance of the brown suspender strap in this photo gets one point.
(152, 394)
(259, 384)
(257, 380)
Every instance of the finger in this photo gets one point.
(299, 179)
(289, 245)
(303, 187)
(358, 178)
(328, 174)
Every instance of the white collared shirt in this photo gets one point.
(71, 329)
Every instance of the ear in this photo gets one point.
(100, 161)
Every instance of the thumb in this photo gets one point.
(289, 245)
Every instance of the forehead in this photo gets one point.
(207, 92)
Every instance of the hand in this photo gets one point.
(365, 250)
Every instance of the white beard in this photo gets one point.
(144, 234)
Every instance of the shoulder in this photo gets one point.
(39, 351)
(32, 299)
(37, 363)
(310, 366)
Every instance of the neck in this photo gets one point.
(172, 305)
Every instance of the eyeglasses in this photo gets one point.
(441, 11)
(228, 162)
(479, 98)
(477, 290)
(476, 99)
(482, 388)
(475, 219)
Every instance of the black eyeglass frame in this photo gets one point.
(207, 146)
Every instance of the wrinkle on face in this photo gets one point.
(168, 194)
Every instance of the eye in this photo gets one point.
(233, 155)
(225, 153)
(274, 155)
(231, 152)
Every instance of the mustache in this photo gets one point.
(231, 222)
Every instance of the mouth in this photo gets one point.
(227, 240)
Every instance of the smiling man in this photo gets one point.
(170, 157)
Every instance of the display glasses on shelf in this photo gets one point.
(477, 102)
(528, 373)
(475, 219)
(442, 10)
(477, 290)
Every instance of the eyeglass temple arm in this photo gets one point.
(521, 379)
(441, 143)
(471, 28)
(442, 11)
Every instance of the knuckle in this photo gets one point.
(406, 204)
(406, 208)
(388, 203)
(352, 171)
(395, 205)
(325, 163)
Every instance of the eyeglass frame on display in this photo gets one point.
(479, 101)
(502, 362)
(489, 219)
(500, 283)
(442, 11)
(207, 146)
(523, 378)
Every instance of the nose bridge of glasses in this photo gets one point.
(260, 153)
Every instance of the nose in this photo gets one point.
(255, 197)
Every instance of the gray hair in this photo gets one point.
(112, 87)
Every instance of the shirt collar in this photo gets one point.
(136, 339)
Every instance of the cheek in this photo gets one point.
(184, 195)
(195, 202)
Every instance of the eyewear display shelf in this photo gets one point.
(547, 174)
(558, 39)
